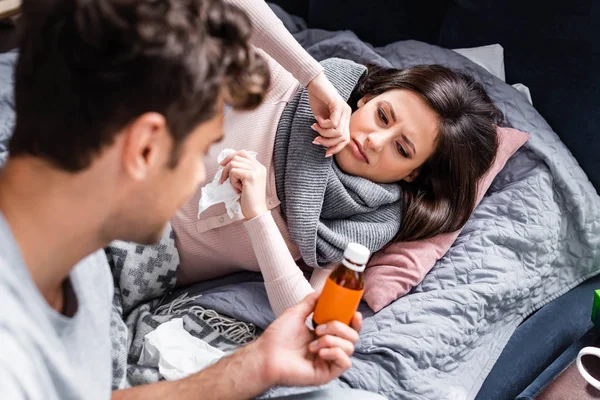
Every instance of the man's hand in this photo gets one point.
(294, 356)
(332, 114)
(287, 354)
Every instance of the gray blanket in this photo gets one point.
(143, 277)
(534, 236)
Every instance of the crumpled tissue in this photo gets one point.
(175, 352)
(213, 193)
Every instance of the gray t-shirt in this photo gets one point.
(44, 354)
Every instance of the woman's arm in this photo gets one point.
(270, 34)
(284, 281)
(331, 111)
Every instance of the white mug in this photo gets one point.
(588, 351)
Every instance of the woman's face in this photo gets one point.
(391, 136)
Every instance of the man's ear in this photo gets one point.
(146, 141)
(413, 175)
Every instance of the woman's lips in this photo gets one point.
(358, 152)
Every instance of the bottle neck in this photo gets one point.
(354, 267)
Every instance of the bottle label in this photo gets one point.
(336, 303)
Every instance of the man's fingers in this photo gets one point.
(357, 321)
(329, 341)
(341, 361)
(306, 306)
(338, 329)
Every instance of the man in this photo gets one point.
(117, 101)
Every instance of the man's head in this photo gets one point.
(136, 87)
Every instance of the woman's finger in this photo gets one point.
(243, 154)
(225, 174)
(235, 162)
(344, 125)
(328, 142)
(337, 112)
(227, 159)
(336, 149)
(326, 133)
(242, 159)
(324, 123)
(238, 175)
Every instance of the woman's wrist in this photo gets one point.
(257, 212)
(317, 80)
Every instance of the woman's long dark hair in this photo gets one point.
(443, 196)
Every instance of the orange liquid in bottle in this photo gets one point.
(340, 297)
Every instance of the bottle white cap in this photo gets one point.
(356, 254)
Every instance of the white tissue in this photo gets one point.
(213, 193)
(175, 352)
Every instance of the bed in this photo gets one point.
(534, 236)
(415, 349)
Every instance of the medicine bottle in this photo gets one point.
(344, 288)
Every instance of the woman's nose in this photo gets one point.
(376, 141)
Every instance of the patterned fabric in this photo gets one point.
(143, 276)
(7, 105)
(325, 208)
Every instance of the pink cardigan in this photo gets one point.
(216, 245)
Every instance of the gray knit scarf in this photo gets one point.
(324, 207)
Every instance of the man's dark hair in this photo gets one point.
(87, 68)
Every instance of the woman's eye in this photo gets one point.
(382, 115)
(401, 150)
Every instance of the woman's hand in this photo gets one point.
(248, 177)
(332, 114)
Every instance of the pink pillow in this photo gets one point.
(394, 271)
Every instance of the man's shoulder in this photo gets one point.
(11, 281)
(18, 366)
(19, 335)
(16, 297)
(95, 274)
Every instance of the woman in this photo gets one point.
(419, 139)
